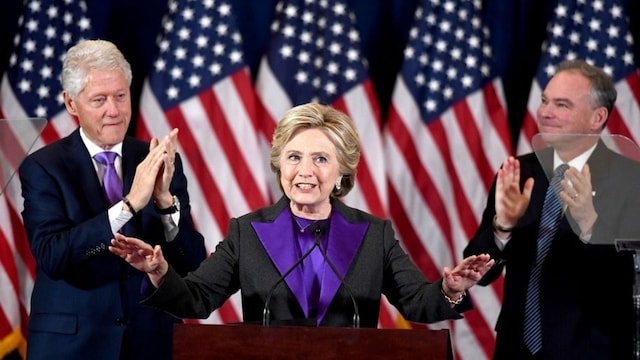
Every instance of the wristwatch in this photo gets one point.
(171, 209)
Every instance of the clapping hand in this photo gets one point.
(511, 202)
(163, 178)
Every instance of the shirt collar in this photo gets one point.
(94, 149)
(577, 162)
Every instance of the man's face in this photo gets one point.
(103, 107)
(567, 106)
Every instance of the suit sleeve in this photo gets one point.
(187, 250)
(483, 242)
(408, 289)
(207, 288)
(63, 234)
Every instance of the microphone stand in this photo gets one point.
(356, 313)
(266, 313)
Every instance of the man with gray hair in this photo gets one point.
(81, 190)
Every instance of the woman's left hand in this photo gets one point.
(457, 280)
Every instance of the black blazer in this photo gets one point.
(586, 289)
(259, 249)
(85, 299)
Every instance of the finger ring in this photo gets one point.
(575, 196)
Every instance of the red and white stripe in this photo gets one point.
(439, 176)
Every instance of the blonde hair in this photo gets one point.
(338, 127)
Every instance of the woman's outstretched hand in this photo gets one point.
(457, 280)
(141, 256)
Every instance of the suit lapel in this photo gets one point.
(344, 241)
(599, 163)
(281, 248)
(79, 163)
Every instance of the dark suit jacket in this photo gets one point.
(258, 250)
(586, 289)
(84, 297)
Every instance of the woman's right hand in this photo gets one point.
(141, 256)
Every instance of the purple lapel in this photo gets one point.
(281, 246)
(344, 241)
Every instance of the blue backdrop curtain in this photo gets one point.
(517, 29)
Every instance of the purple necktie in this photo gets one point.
(312, 271)
(311, 266)
(110, 181)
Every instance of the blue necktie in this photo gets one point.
(110, 180)
(551, 214)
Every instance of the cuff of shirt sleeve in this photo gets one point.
(118, 217)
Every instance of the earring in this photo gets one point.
(339, 184)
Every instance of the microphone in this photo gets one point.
(318, 231)
(265, 311)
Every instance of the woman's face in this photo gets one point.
(309, 170)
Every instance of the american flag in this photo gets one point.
(314, 56)
(597, 32)
(446, 136)
(30, 88)
(200, 84)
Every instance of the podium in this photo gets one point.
(198, 341)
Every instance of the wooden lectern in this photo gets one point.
(194, 341)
